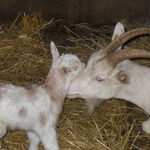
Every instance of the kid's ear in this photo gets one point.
(54, 51)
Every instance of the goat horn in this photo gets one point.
(124, 38)
(114, 58)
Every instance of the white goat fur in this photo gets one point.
(36, 109)
(98, 82)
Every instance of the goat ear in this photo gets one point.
(123, 77)
(54, 51)
(119, 30)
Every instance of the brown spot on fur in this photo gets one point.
(55, 85)
(43, 119)
(56, 88)
(31, 92)
(123, 77)
(55, 92)
(22, 112)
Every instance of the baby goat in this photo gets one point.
(35, 109)
(109, 75)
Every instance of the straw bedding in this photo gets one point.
(25, 59)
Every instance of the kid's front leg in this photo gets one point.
(49, 138)
(34, 141)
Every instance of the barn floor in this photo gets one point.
(25, 59)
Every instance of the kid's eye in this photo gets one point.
(75, 68)
(66, 70)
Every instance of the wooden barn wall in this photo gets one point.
(77, 11)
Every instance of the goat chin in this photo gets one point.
(146, 126)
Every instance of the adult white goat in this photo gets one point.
(109, 75)
(35, 109)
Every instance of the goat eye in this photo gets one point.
(99, 79)
(66, 70)
(75, 68)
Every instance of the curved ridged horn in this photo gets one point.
(115, 58)
(124, 38)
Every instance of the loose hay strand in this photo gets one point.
(127, 137)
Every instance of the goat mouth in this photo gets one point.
(73, 95)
